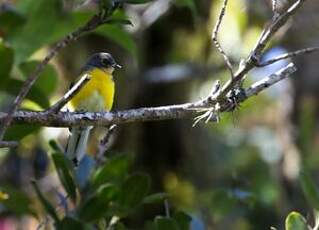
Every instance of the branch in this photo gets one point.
(68, 119)
(259, 86)
(8, 144)
(214, 38)
(69, 95)
(92, 24)
(253, 59)
(105, 144)
(288, 55)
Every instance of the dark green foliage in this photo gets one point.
(99, 204)
(165, 223)
(71, 223)
(17, 202)
(64, 170)
(133, 191)
(155, 198)
(19, 131)
(117, 195)
(6, 57)
(114, 170)
(309, 189)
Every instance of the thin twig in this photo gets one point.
(288, 55)
(274, 5)
(215, 40)
(69, 119)
(264, 83)
(105, 143)
(8, 144)
(253, 59)
(92, 24)
(275, 9)
(69, 95)
(275, 26)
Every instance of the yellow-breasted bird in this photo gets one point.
(96, 96)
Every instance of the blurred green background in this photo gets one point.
(242, 173)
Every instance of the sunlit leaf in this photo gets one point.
(14, 86)
(63, 169)
(46, 23)
(295, 221)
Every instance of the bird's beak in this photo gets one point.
(117, 66)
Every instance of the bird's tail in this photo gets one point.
(77, 143)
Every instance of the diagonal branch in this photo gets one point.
(69, 95)
(92, 24)
(253, 59)
(288, 55)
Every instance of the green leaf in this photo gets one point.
(48, 79)
(155, 198)
(134, 189)
(119, 226)
(6, 62)
(10, 18)
(13, 87)
(295, 221)
(119, 36)
(46, 23)
(56, 146)
(150, 225)
(165, 223)
(17, 201)
(71, 223)
(189, 4)
(19, 131)
(98, 205)
(183, 220)
(46, 204)
(114, 170)
(309, 189)
(63, 166)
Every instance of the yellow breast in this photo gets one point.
(97, 95)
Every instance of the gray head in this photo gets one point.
(101, 60)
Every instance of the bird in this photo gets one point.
(95, 96)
